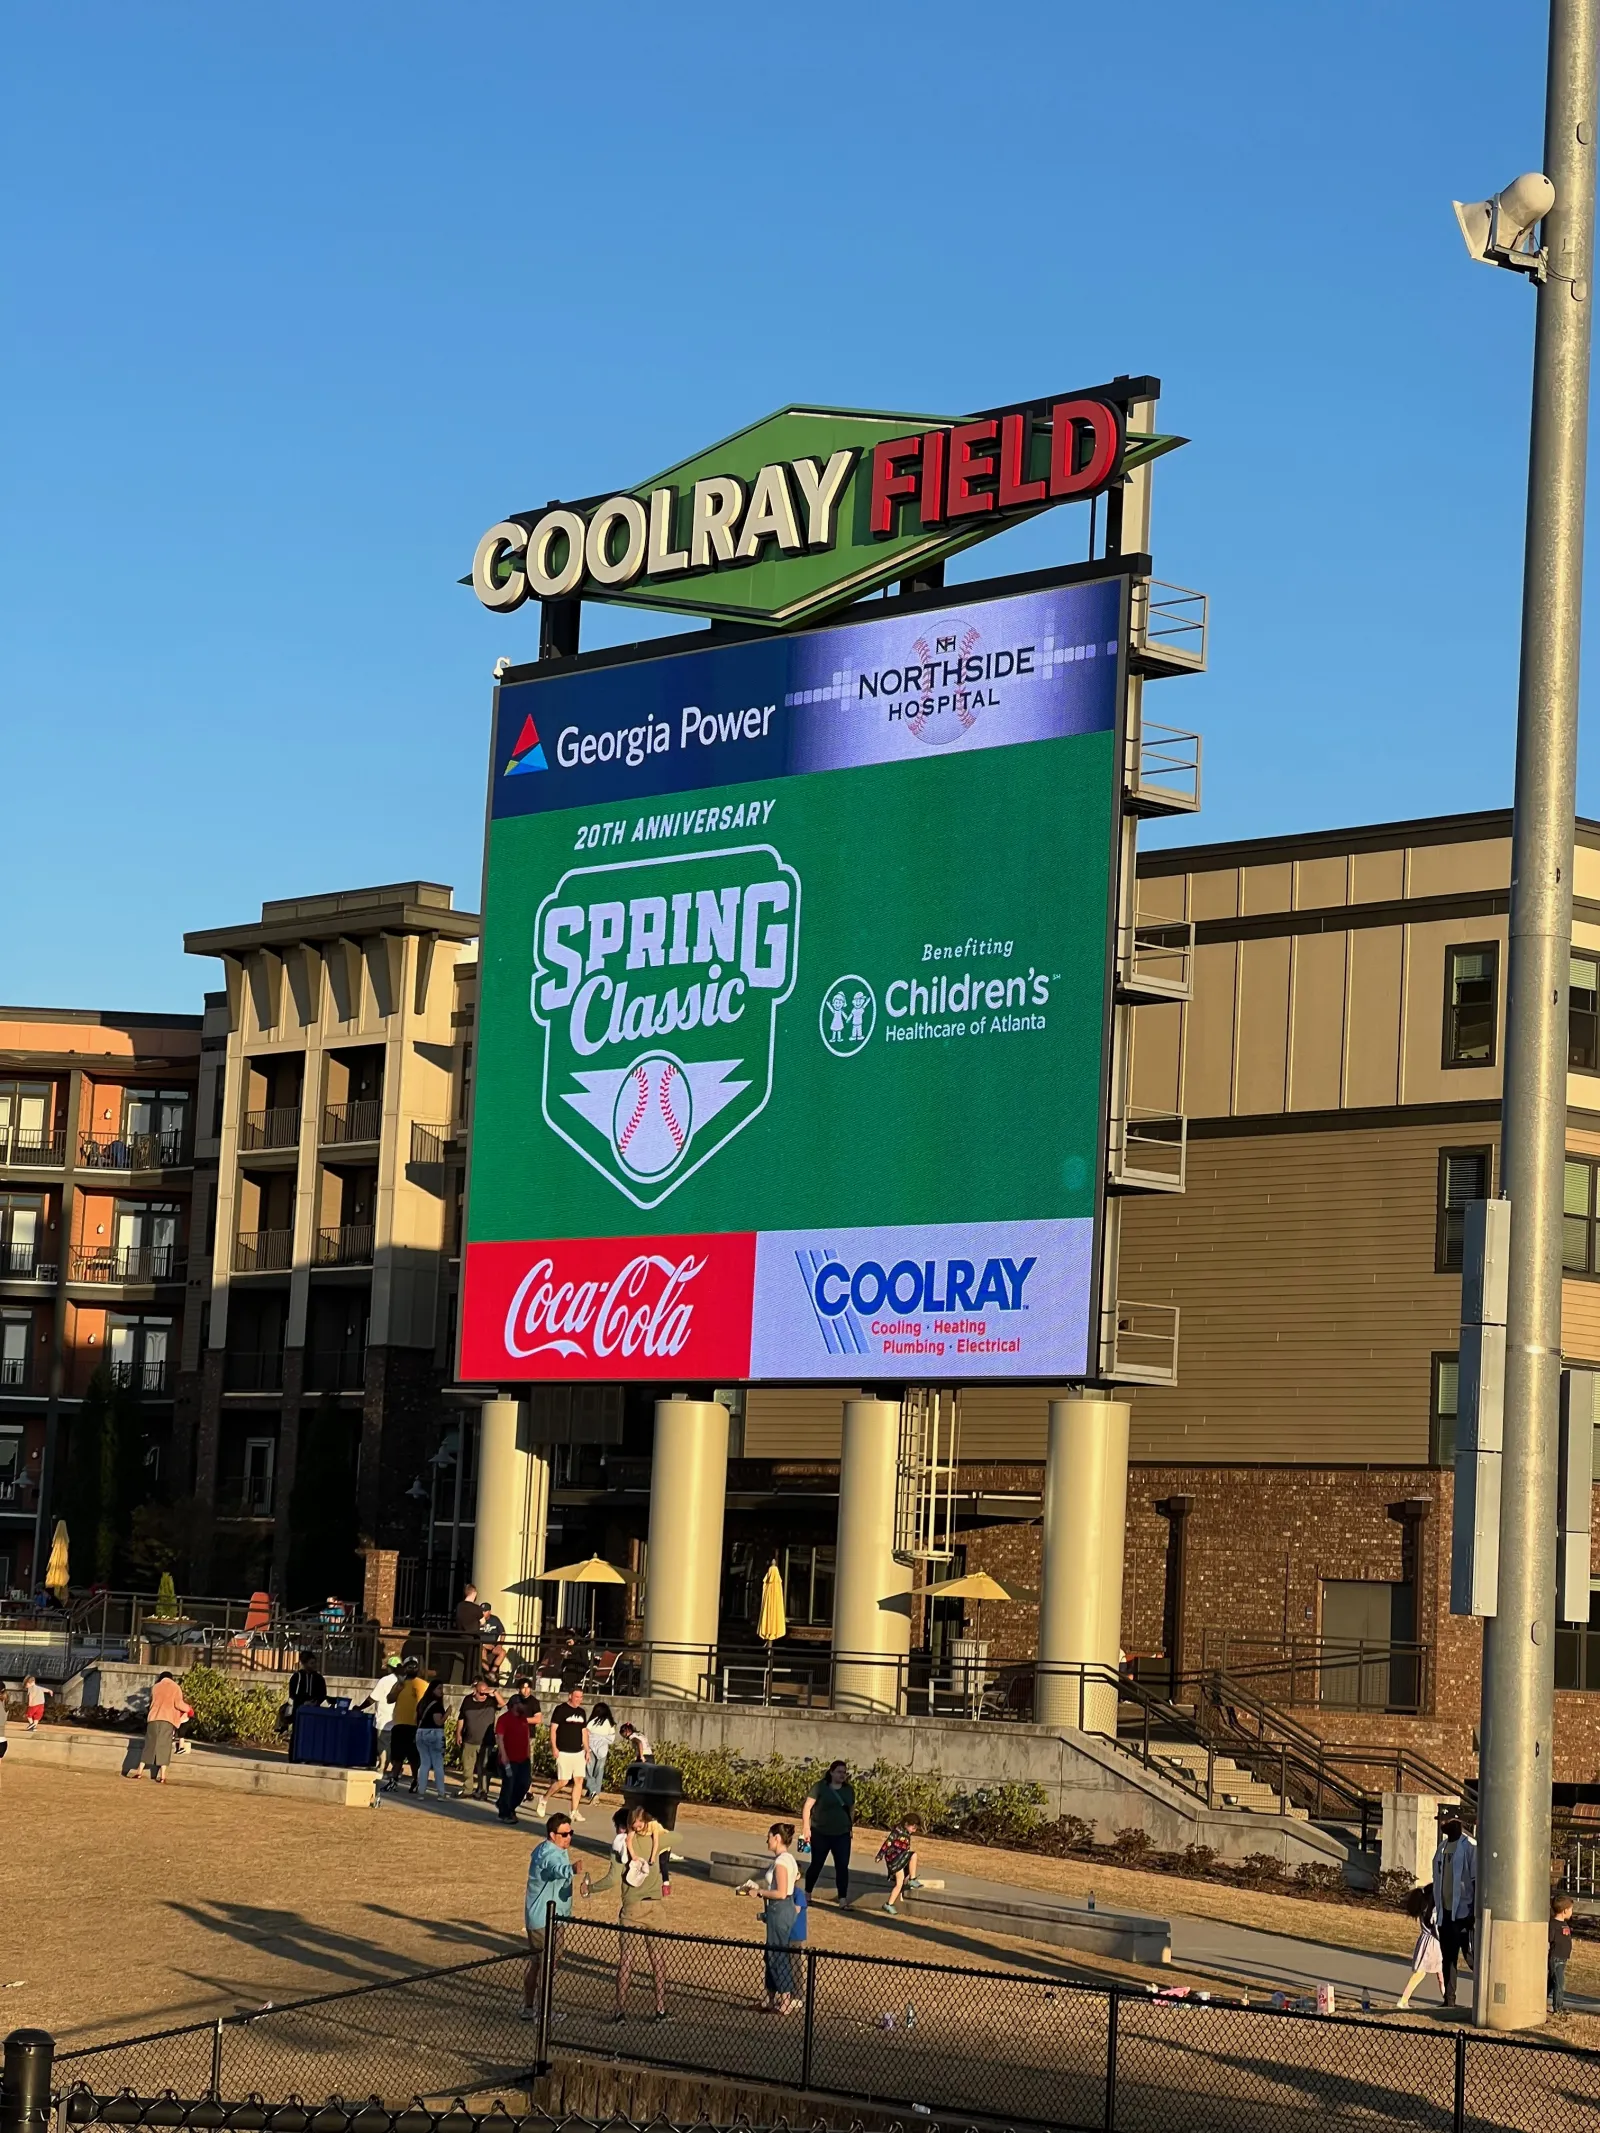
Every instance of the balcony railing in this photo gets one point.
(1149, 1149)
(1156, 959)
(130, 1151)
(149, 1375)
(278, 1127)
(431, 1144)
(263, 1251)
(1139, 1344)
(336, 1369)
(1163, 770)
(128, 1262)
(348, 1245)
(22, 1262)
(360, 1121)
(1169, 629)
(252, 1370)
(13, 1373)
(27, 1147)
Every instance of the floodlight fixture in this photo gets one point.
(1501, 232)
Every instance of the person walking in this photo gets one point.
(403, 1733)
(430, 1735)
(1561, 1908)
(33, 1702)
(639, 1749)
(1455, 1899)
(1427, 1958)
(168, 1710)
(547, 1900)
(826, 1821)
(479, 1710)
(569, 1745)
(379, 1699)
(514, 1738)
(898, 1851)
(602, 1732)
(778, 1892)
(640, 1856)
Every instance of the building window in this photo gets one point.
(1583, 1014)
(1471, 981)
(137, 1351)
(260, 1460)
(1463, 1176)
(1444, 1409)
(808, 1585)
(22, 1225)
(16, 1350)
(1578, 1255)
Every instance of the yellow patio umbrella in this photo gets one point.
(977, 1586)
(774, 1622)
(56, 1574)
(593, 1570)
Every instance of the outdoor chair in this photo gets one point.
(601, 1671)
(257, 1620)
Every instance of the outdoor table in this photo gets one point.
(341, 1740)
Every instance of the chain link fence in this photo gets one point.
(1012, 2048)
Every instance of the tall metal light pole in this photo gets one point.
(1519, 1645)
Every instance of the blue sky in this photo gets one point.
(301, 298)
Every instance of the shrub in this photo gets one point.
(227, 1709)
(1076, 1834)
(1256, 1867)
(999, 1814)
(1132, 1844)
(166, 1607)
(1198, 1858)
(1394, 1884)
(1321, 1875)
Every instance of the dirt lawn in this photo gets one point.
(130, 1906)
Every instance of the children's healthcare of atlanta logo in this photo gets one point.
(657, 983)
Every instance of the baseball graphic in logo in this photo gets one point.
(653, 1116)
(848, 1016)
(955, 712)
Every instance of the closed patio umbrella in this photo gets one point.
(774, 1622)
(56, 1574)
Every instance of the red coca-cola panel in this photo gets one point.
(609, 1308)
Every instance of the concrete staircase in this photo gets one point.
(1232, 1785)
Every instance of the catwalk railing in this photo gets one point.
(1004, 2045)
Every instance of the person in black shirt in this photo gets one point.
(306, 1685)
(569, 1743)
(430, 1735)
(478, 1713)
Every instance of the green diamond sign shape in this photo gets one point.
(798, 537)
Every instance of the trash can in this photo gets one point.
(657, 1788)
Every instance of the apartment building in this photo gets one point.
(96, 1181)
(334, 1075)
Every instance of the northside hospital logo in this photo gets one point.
(657, 983)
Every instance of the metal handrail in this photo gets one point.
(278, 1126)
(348, 1244)
(128, 1262)
(1139, 1342)
(1149, 1147)
(263, 1251)
(131, 1151)
(37, 1150)
(361, 1120)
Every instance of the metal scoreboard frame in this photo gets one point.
(576, 1295)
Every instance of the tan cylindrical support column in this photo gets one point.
(683, 1570)
(513, 1507)
(1080, 1600)
(871, 1591)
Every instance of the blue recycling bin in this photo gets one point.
(336, 1740)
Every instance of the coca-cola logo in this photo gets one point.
(641, 1311)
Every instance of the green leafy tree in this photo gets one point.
(106, 1479)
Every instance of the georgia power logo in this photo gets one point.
(657, 983)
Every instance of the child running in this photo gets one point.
(1427, 1958)
(33, 1697)
(898, 1852)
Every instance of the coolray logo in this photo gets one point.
(667, 974)
(642, 1311)
(528, 754)
(911, 1287)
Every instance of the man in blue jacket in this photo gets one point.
(550, 1877)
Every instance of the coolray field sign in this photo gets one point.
(814, 506)
(794, 1000)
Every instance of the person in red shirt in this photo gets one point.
(515, 1736)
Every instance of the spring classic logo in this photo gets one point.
(657, 983)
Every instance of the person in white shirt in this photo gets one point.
(602, 1732)
(380, 1700)
(1455, 1899)
(777, 1891)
